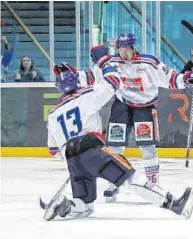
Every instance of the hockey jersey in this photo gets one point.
(78, 114)
(141, 78)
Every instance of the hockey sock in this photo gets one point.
(151, 163)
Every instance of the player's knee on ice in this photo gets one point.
(88, 164)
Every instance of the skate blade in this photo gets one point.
(50, 213)
(111, 199)
(79, 215)
(187, 212)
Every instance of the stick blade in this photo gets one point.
(187, 163)
(187, 25)
(43, 205)
(187, 212)
(184, 22)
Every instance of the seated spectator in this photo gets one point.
(27, 72)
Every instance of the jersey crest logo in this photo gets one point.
(134, 84)
(141, 69)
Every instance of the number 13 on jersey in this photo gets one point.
(70, 131)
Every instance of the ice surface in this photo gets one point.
(24, 180)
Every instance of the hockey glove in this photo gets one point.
(67, 67)
(56, 70)
(188, 79)
(187, 67)
(59, 70)
(99, 55)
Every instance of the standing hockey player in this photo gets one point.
(135, 104)
(74, 127)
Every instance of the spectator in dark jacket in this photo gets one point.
(27, 72)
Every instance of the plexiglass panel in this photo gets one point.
(26, 61)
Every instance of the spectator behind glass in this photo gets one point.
(6, 57)
(27, 72)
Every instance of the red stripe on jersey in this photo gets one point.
(113, 80)
(78, 92)
(172, 80)
(146, 60)
(187, 75)
(91, 78)
(72, 96)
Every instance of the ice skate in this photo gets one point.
(60, 206)
(183, 205)
(111, 193)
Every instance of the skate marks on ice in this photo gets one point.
(23, 181)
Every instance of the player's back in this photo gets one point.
(77, 114)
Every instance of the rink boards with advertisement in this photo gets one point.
(24, 117)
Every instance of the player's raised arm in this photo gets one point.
(169, 78)
(111, 82)
(85, 77)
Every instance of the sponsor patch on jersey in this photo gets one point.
(143, 131)
(141, 69)
(117, 132)
(134, 84)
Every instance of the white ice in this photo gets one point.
(23, 181)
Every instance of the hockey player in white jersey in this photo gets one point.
(135, 104)
(74, 128)
(76, 120)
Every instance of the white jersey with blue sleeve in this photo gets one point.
(78, 114)
(141, 78)
(90, 77)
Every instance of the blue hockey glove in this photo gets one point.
(59, 70)
(99, 55)
(67, 67)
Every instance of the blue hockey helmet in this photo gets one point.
(66, 82)
(125, 40)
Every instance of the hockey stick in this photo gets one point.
(187, 25)
(189, 141)
(43, 205)
(190, 28)
(156, 125)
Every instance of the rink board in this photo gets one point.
(129, 152)
(24, 120)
